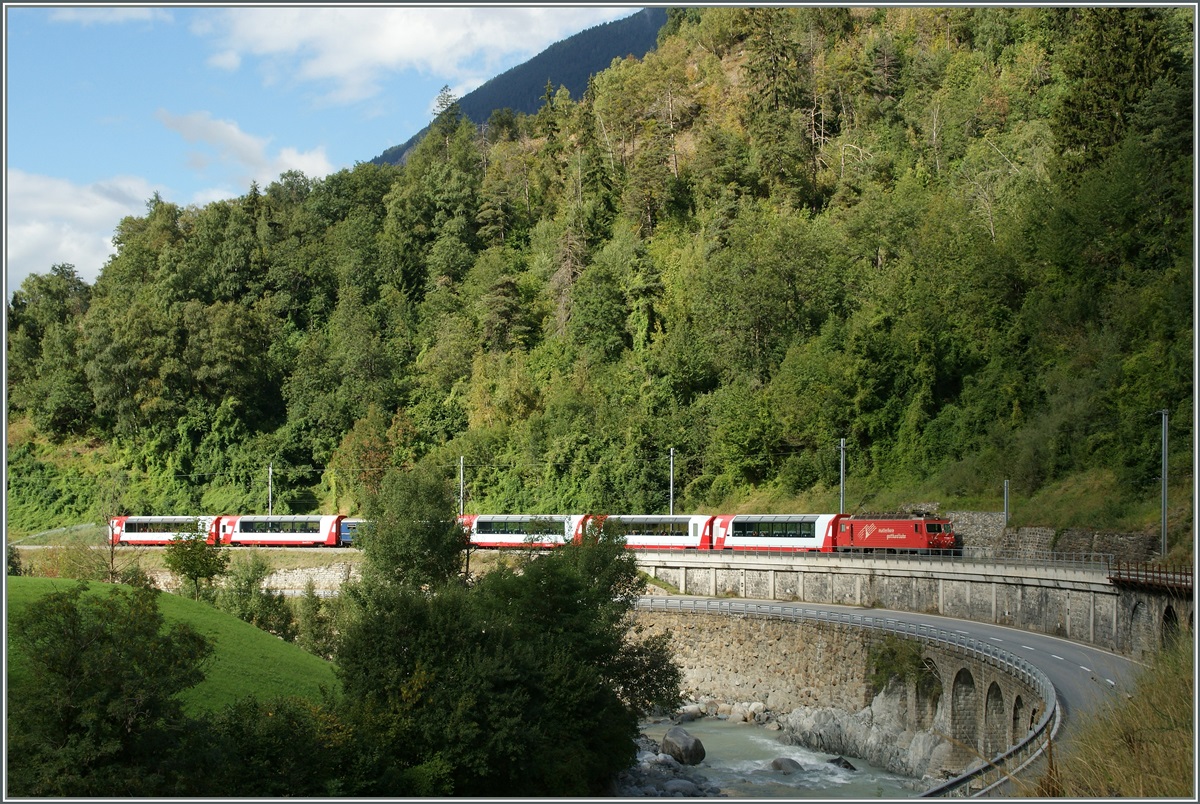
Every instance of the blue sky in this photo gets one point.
(104, 106)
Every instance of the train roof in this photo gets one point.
(521, 517)
(285, 517)
(658, 517)
(782, 517)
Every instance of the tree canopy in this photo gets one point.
(959, 238)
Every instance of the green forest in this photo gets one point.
(959, 238)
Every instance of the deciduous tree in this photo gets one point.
(95, 710)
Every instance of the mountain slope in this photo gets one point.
(569, 63)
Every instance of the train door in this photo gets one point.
(720, 531)
(843, 533)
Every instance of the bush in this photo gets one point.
(894, 658)
(244, 597)
(14, 561)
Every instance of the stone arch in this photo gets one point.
(1170, 625)
(964, 708)
(1018, 719)
(1143, 630)
(928, 693)
(995, 727)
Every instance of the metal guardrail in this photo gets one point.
(1085, 561)
(983, 779)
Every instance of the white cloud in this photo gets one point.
(243, 157)
(228, 60)
(52, 220)
(354, 49)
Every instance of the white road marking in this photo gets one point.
(1026, 647)
(1056, 656)
(995, 639)
(1085, 669)
(1111, 683)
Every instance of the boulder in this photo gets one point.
(842, 762)
(785, 765)
(682, 746)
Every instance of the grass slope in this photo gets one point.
(245, 660)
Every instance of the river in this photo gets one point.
(738, 760)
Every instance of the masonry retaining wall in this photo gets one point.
(1074, 602)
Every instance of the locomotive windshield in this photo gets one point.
(933, 527)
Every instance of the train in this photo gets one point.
(293, 530)
(786, 533)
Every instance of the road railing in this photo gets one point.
(991, 774)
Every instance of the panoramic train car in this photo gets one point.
(160, 530)
(774, 532)
(294, 530)
(679, 532)
(524, 530)
(920, 533)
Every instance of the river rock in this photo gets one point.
(680, 787)
(655, 776)
(785, 765)
(842, 762)
(683, 746)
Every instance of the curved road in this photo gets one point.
(1085, 678)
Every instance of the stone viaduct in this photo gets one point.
(992, 706)
(1074, 599)
(989, 705)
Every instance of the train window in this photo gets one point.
(933, 527)
(808, 530)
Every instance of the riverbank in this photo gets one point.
(749, 753)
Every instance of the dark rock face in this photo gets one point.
(842, 762)
(685, 748)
